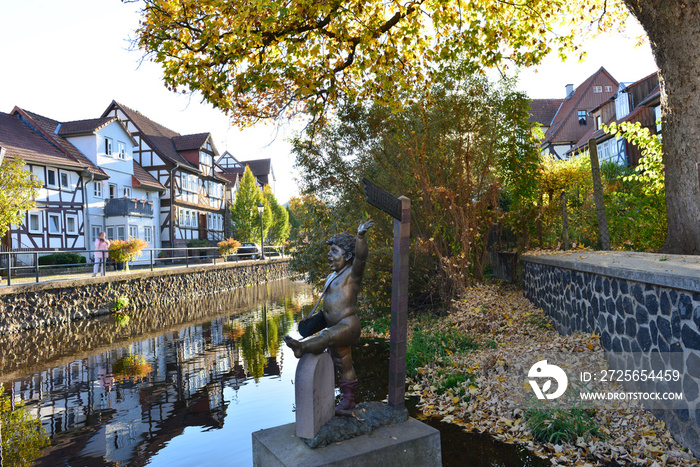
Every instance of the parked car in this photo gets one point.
(248, 251)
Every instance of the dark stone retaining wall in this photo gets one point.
(632, 317)
(33, 306)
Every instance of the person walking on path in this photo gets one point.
(101, 245)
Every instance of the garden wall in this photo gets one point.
(31, 306)
(644, 306)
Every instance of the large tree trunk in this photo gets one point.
(673, 27)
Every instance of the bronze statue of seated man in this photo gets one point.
(347, 256)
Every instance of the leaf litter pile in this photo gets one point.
(473, 383)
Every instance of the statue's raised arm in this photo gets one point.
(361, 250)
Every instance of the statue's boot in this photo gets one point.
(347, 388)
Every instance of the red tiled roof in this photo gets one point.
(48, 127)
(543, 111)
(231, 177)
(84, 126)
(185, 142)
(145, 179)
(20, 141)
(261, 169)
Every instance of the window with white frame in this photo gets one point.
(582, 117)
(148, 234)
(127, 192)
(121, 147)
(209, 221)
(51, 178)
(110, 232)
(181, 217)
(97, 189)
(94, 234)
(205, 159)
(54, 223)
(34, 222)
(195, 219)
(608, 88)
(71, 224)
(65, 180)
(112, 190)
(108, 146)
(597, 89)
(121, 232)
(133, 231)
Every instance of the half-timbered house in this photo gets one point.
(191, 207)
(58, 220)
(126, 205)
(230, 168)
(571, 120)
(634, 102)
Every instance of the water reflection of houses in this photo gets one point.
(126, 418)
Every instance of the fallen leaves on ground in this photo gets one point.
(509, 329)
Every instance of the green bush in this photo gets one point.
(61, 259)
(560, 425)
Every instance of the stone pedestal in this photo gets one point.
(314, 393)
(407, 444)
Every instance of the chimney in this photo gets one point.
(569, 90)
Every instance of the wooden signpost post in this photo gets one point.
(400, 209)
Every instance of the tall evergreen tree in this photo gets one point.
(279, 229)
(245, 219)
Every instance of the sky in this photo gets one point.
(68, 59)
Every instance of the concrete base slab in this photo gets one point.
(411, 443)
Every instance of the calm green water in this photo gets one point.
(182, 385)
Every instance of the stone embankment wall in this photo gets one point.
(642, 305)
(42, 349)
(32, 306)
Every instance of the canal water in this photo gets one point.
(180, 385)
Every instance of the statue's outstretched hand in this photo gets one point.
(364, 227)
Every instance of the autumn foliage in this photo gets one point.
(123, 251)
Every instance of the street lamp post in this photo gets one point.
(261, 208)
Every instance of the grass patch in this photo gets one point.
(455, 384)
(431, 345)
(559, 425)
(380, 325)
(540, 321)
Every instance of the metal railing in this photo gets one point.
(25, 266)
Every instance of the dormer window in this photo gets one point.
(582, 117)
(205, 159)
(598, 122)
